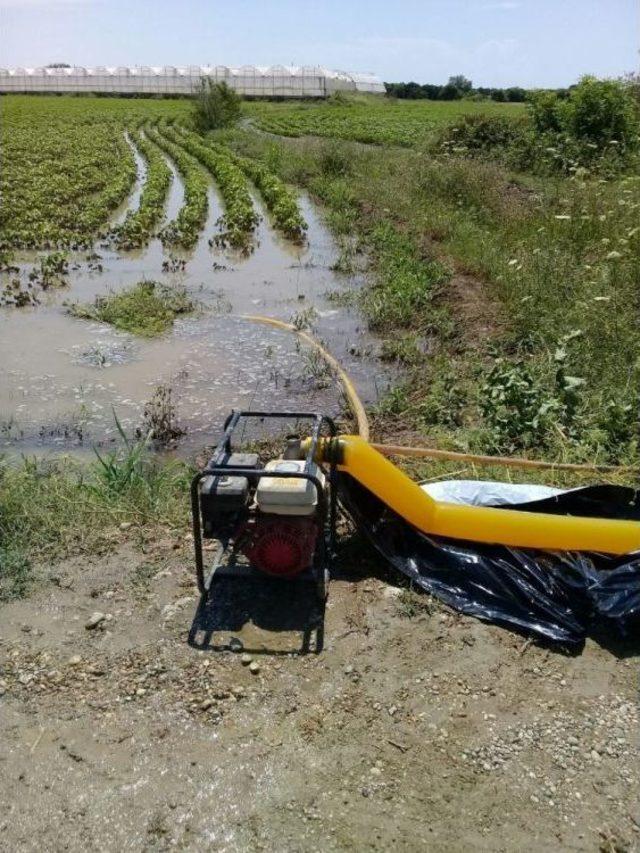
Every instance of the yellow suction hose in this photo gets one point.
(367, 464)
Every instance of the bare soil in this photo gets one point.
(414, 728)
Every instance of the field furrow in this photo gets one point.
(185, 228)
(138, 227)
(240, 218)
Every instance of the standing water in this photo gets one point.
(64, 377)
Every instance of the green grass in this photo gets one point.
(146, 309)
(53, 509)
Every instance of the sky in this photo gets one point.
(526, 43)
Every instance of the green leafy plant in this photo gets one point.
(123, 468)
(523, 407)
(146, 309)
(279, 199)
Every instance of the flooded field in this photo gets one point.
(63, 377)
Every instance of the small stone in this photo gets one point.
(75, 660)
(94, 620)
(392, 710)
(206, 705)
(125, 525)
(246, 659)
(254, 667)
(168, 611)
(348, 669)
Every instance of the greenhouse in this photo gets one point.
(276, 81)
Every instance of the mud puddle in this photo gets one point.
(63, 377)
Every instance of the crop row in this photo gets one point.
(281, 202)
(184, 229)
(240, 218)
(66, 165)
(138, 227)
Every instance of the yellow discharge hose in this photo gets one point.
(475, 523)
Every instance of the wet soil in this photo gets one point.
(63, 377)
(413, 729)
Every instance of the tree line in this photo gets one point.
(458, 87)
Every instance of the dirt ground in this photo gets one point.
(413, 729)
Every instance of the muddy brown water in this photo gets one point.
(62, 378)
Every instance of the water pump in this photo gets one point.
(278, 517)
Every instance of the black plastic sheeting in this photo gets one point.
(561, 596)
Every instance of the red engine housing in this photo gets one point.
(279, 545)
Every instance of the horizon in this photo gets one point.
(203, 65)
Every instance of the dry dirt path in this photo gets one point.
(413, 729)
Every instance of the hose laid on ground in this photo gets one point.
(358, 410)
(507, 461)
(355, 403)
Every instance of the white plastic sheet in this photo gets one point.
(488, 492)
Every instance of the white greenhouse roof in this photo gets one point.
(193, 70)
(288, 81)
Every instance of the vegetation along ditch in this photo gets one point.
(475, 266)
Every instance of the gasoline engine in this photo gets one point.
(277, 517)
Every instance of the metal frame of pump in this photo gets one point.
(327, 503)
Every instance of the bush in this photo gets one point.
(599, 112)
(216, 106)
(478, 132)
(335, 162)
(546, 111)
(597, 126)
(602, 112)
